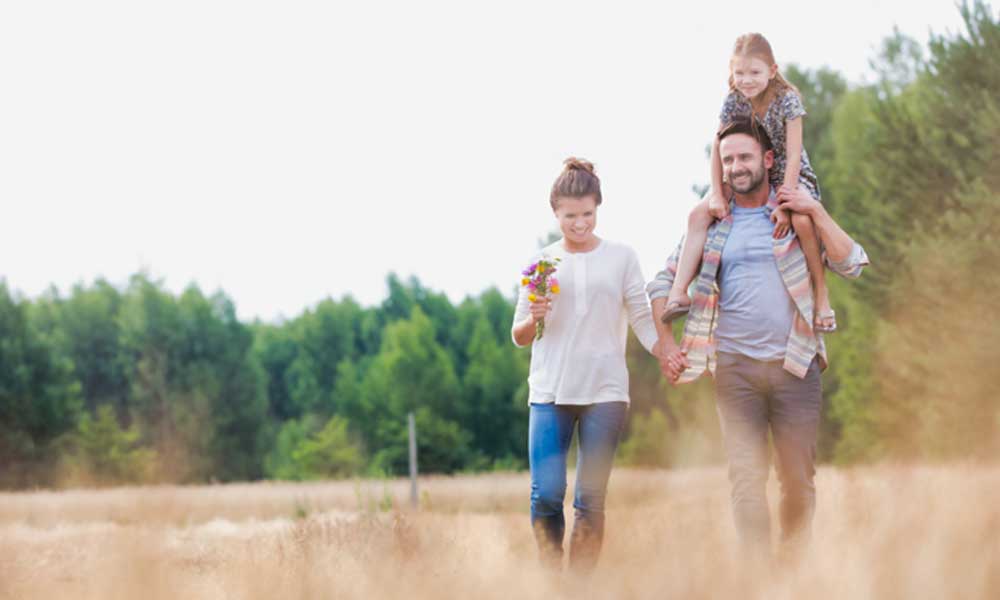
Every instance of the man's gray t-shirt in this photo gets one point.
(755, 309)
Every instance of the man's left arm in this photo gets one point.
(843, 255)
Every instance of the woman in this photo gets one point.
(578, 376)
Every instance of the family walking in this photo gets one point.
(749, 277)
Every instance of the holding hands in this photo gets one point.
(673, 359)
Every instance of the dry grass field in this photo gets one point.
(880, 532)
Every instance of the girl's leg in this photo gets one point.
(823, 320)
(550, 429)
(600, 427)
(678, 300)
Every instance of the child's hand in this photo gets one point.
(782, 223)
(717, 206)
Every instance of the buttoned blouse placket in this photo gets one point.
(580, 283)
(577, 265)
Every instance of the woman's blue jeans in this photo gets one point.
(550, 430)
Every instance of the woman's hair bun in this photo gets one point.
(576, 181)
(578, 164)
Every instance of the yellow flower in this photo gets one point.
(532, 298)
(555, 289)
(524, 281)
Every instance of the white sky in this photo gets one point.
(289, 151)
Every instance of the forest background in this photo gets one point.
(106, 384)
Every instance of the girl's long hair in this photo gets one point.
(755, 45)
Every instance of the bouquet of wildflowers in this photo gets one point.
(539, 280)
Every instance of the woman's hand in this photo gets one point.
(524, 330)
(539, 309)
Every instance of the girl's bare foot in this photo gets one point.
(826, 319)
(677, 307)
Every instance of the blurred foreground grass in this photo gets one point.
(880, 532)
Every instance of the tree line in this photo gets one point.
(107, 385)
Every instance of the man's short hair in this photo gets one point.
(748, 126)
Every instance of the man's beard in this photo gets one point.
(756, 178)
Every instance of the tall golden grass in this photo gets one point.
(880, 532)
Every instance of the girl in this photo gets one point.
(757, 89)
(578, 376)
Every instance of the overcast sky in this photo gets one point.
(289, 151)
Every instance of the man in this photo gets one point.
(750, 324)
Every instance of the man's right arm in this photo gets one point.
(672, 360)
(663, 281)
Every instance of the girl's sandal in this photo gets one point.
(675, 310)
(820, 327)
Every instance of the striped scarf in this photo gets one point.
(698, 340)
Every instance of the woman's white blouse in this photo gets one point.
(581, 357)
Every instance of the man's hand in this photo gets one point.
(796, 200)
(717, 206)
